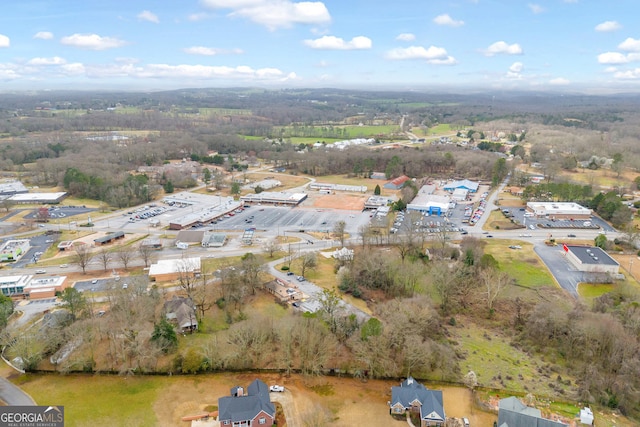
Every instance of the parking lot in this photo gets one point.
(533, 223)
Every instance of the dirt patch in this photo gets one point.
(344, 401)
(350, 202)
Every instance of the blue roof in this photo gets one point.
(465, 183)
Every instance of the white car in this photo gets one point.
(64, 265)
(276, 388)
(40, 271)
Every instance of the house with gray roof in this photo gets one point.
(252, 408)
(415, 397)
(513, 413)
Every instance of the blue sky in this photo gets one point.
(560, 45)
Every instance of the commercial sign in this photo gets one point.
(31, 416)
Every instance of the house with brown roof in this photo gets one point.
(182, 313)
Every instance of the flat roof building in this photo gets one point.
(171, 269)
(14, 249)
(213, 240)
(277, 198)
(12, 187)
(426, 201)
(591, 259)
(50, 198)
(14, 285)
(45, 287)
(559, 210)
(203, 208)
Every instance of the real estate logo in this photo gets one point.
(31, 416)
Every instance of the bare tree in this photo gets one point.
(252, 266)
(494, 282)
(187, 276)
(105, 257)
(125, 256)
(146, 254)
(202, 295)
(308, 261)
(339, 231)
(7, 204)
(82, 257)
(271, 246)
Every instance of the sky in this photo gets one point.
(588, 46)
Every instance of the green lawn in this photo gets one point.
(589, 291)
(98, 400)
(523, 264)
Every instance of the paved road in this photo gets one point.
(12, 395)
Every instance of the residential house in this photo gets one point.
(252, 408)
(181, 312)
(415, 397)
(513, 413)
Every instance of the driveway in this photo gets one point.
(565, 274)
(289, 408)
(12, 395)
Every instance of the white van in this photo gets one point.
(465, 422)
(528, 214)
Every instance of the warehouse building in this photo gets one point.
(591, 259)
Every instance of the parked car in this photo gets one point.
(64, 265)
(300, 279)
(290, 273)
(41, 271)
(276, 388)
(571, 235)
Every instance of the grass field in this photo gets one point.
(498, 364)
(523, 263)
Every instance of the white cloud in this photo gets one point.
(43, 35)
(630, 45)
(75, 69)
(194, 17)
(515, 71)
(503, 48)
(447, 20)
(571, 1)
(406, 37)
(516, 67)
(612, 58)
(628, 74)
(92, 41)
(536, 8)
(559, 81)
(55, 60)
(146, 15)
(608, 26)
(4, 41)
(433, 55)
(611, 69)
(8, 72)
(275, 13)
(336, 43)
(210, 51)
